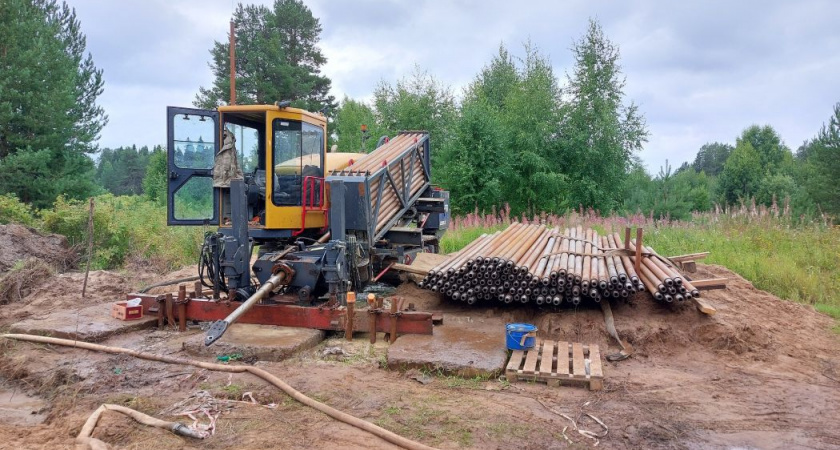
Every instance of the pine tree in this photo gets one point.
(824, 165)
(49, 118)
(277, 58)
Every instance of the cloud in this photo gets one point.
(700, 72)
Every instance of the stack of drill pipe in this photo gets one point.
(545, 266)
(662, 279)
(393, 150)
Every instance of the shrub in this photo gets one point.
(12, 210)
(126, 228)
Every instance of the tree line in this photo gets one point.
(758, 168)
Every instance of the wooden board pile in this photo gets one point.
(547, 266)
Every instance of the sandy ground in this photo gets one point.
(762, 373)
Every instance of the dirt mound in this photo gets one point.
(18, 243)
(19, 282)
(750, 323)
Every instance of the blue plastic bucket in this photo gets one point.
(521, 336)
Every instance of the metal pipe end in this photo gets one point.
(216, 330)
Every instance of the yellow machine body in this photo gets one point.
(277, 216)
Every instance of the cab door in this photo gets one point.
(192, 144)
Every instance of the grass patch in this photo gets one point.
(798, 264)
(458, 382)
(424, 421)
(507, 430)
(457, 239)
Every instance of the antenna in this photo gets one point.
(232, 64)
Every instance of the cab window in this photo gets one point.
(298, 153)
(247, 144)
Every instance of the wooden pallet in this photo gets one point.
(553, 362)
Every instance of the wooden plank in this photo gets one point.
(595, 369)
(689, 257)
(562, 358)
(410, 269)
(703, 306)
(515, 360)
(547, 360)
(531, 361)
(578, 365)
(711, 283)
(688, 266)
(423, 263)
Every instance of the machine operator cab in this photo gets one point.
(280, 151)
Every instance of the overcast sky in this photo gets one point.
(700, 72)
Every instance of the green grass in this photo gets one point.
(424, 420)
(457, 239)
(800, 263)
